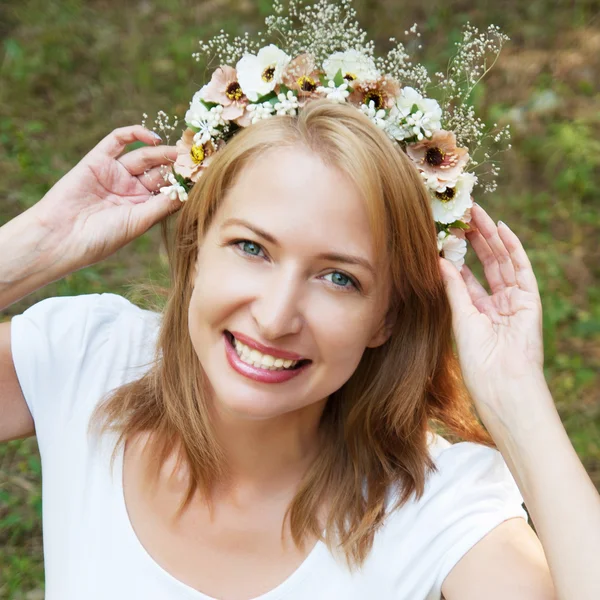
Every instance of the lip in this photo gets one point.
(256, 373)
(265, 349)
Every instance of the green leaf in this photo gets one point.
(458, 225)
(186, 183)
(339, 78)
(266, 98)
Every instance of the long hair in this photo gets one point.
(375, 427)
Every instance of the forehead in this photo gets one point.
(291, 193)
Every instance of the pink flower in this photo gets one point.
(224, 89)
(192, 159)
(382, 92)
(439, 159)
(302, 76)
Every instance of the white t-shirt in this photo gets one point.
(68, 352)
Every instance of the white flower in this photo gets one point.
(352, 63)
(205, 120)
(258, 75)
(287, 105)
(333, 93)
(452, 248)
(403, 123)
(175, 190)
(452, 203)
(377, 116)
(260, 111)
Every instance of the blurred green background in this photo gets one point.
(72, 71)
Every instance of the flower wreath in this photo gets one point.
(320, 51)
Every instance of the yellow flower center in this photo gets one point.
(447, 195)
(349, 76)
(197, 153)
(234, 91)
(376, 96)
(268, 73)
(307, 84)
(435, 157)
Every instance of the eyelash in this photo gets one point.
(337, 287)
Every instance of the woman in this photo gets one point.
(310, 240)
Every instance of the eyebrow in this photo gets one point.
(333, 256)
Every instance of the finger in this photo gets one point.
(114, 143)
(526, 279)
(153, 179)
(484, 223)
(155, 209)
(491, 268)
(458, 296)
(143, 159)
(475, 289)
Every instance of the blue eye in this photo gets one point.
(249, 247)
(341, 281)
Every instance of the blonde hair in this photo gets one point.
(374, 428)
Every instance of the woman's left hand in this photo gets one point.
(498, 336)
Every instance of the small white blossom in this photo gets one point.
(377, 116)
(453, 248)
(449, 210)
(258, 75)
(175, 190)
(205, 120)
(403, 123)
(287, 105)
(260, 111)
(351, 62)
(334, 93)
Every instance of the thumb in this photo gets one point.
(456, 290)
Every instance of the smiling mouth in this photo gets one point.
(263, 361)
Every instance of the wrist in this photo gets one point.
(518, 407)
(28, 248)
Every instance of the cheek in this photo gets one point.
(220, 286)
(342, 333)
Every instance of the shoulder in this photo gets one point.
(65, 346)
(78, 317)
(105, 305)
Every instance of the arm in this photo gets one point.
(103, 203)
(500, 346)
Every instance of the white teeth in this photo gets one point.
(264, 361)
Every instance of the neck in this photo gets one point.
(268, 455)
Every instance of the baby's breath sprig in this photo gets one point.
(476, 54)
(399, 63)
(319, 29)
(164, 124)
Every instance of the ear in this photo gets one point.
(383, 333)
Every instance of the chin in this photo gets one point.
(253, 405)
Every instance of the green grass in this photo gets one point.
(71, 71)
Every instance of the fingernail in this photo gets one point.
(503, 223)
(156, 135)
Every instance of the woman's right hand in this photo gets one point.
(107, 199)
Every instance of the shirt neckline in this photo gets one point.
(280, 591)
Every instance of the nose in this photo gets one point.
(276, 311)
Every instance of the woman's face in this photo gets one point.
(287, 270)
